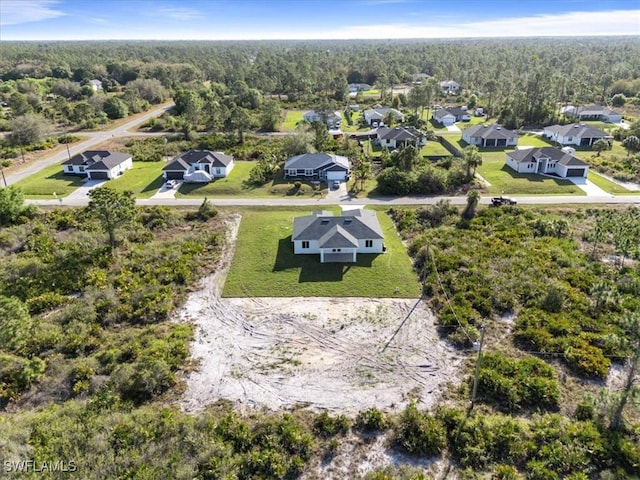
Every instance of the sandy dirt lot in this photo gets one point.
(338, 354)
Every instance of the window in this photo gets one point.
(305, 244)
(308, 172)
(218, 171)
(368, 243)
(81, 168)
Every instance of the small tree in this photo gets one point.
(472, 159)
(112, 209)
(11, 204)
(473, 197)
(28, 129)
(631, 143)
(631, 343)
(600, 146)
(115, 108)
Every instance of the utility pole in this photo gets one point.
(477, 345)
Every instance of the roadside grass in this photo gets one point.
(264, 264)
(433, 147)
(609, 186)
(503, 180)
(144, 179)
(233, 186)
(43, 184)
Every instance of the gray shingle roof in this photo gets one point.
(528, 154)
(399, 133)
(98, 159)
(323, 226)
(596, 110)
(443, 112)
(489, 132)
(579, 130)
(316, 161)
(215, 159)
(381, 112)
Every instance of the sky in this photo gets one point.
(312, 19)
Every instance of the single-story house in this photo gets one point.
(359, 87)
(340, 238)
(593, 112)
(489, 136)
(450, 87)
(547, 160)
(199, 166)
(95, 84)
(418, 78)
(575, 134)
(450, 115)
(98, 164)
(332, 119)
(317, 166)
(376, 116)
(400, 137)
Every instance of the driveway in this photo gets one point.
(588, 187)
(453, 128)
(337, 194)
(82, 192)
(167, 192)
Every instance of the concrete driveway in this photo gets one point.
(453, 128)
(588, 187)
(83, 191)
(167, 192)
(337, 194)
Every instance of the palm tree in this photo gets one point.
(473, 198)
(472, 159)
(631, 143)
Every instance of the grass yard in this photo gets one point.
(503, 180)
(433, 147)
(609, 186)
(291, 119)
(264, 264)
(233, 186)
(43, 184)
(144, 179)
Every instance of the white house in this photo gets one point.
(332, 119)
(95, 84)
(575, 134)
(317, 166)
(489, 136)
(592, 112)
(450, 87)
(98, 164)
(450, 115)
(358, 87)
(199, 166)
(375, 116)
(547, 160)
(400, 137)
(338, 238)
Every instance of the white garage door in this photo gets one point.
(336, 176)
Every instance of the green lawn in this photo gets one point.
(264, 264)
(233, 186)
(433, 147)
(291, 119)
(504, 180)
(144, 179)
(609, 186)
(43, 184)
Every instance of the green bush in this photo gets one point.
(419, 433)
(326, 426)
(142, 380)
(371, 420)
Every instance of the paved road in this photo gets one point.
(321, 202)
(94, 138)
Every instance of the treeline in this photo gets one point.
(519, 78)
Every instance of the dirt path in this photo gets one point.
(325, 353)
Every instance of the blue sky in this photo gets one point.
(311, 19)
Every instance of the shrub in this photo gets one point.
(371, 420)
(142, 380)
(419, 433)
(326, 426)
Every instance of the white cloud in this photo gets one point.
(15, 12)
(615, 22)
(183, 14)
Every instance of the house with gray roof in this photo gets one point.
(450, 115)
(547, 161)
(578, 134)
(399, 137)
(489, 136)
(449, 87)
(338, 238)
(375, 116)
(333, 120)
(317, 166)
(199, 166)
(592, 112)
(98, 164)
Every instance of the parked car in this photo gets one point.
(336, 184)
(171, 184)
(497, 201)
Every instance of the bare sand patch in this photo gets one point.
(322, 353)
